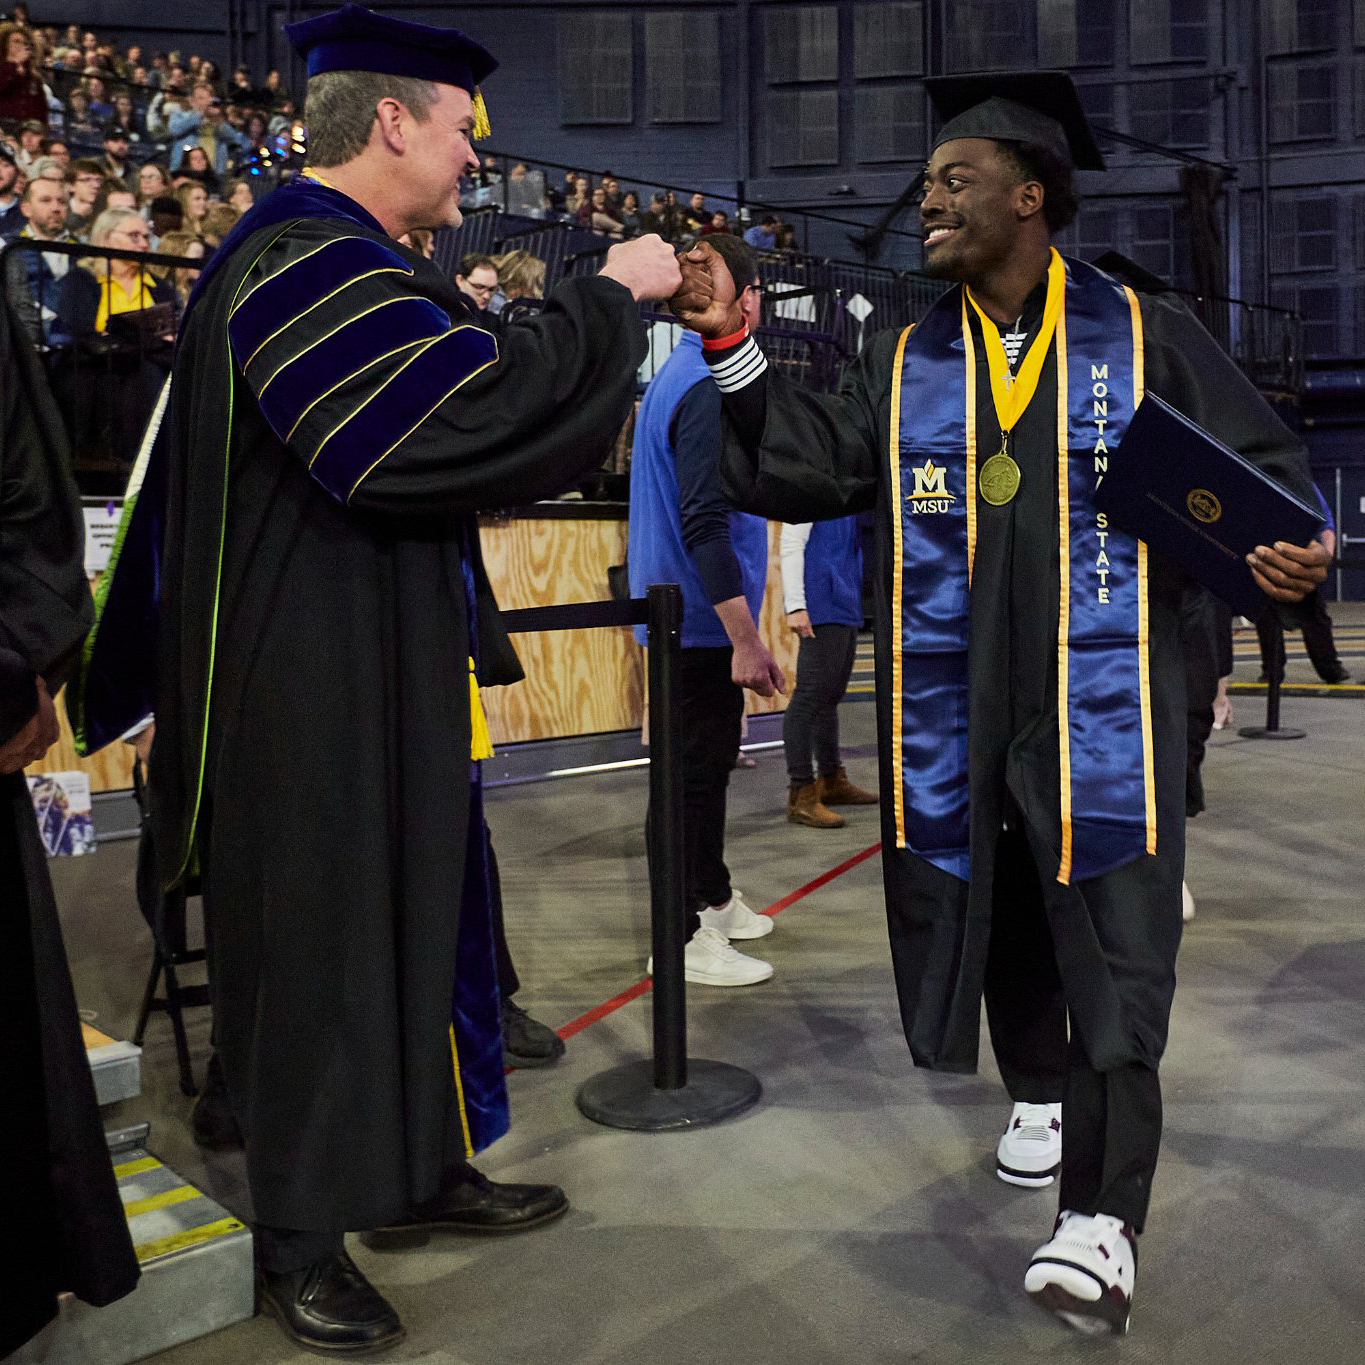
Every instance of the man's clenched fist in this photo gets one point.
(646, 266)
(705, 301)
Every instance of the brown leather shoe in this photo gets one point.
(836, 790)
(804, 808)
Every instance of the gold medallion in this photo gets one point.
(999, 479)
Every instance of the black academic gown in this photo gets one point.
(1115, 936)
(333, 815)
(61, 1206)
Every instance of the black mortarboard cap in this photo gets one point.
(1037, 107)
(354, 38)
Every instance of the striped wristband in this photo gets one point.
(736, 369)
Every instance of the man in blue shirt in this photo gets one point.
(683, 531)
(763, 235)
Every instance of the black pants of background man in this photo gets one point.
(1309, 616)
(711, 709)
(810, 728)
(1111, 1120)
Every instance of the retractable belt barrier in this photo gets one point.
(670, 1090)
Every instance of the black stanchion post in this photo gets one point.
(669, 1091)
(1274, 665)
(666, 838)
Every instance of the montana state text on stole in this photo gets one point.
(1108, 799)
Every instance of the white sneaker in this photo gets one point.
(708, 960)
(1186, 902)
(1030, 1151)
(734, 919)
(1085, 1273)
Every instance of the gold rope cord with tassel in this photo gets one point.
(482, 128)
(480, 741)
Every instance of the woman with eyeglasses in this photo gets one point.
(117, 320)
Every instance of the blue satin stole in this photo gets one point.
(1108, 805)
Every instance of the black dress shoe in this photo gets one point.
(330, 1306)
(212, 1122)
(526, 1042)
(1336, 675)
(477, 1206)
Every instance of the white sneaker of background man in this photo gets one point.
(735, 919)
(1085, 1273)
(709, 960)
(1029, 1152)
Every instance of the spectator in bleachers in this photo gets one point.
(786, 238)
(81, 126)
(181, 278)
(194, 202)
(612, 187)
(577, 194)
(257, 129)
(11, 216)
(48, 168)
(596, 214)
(152, 181)
(115, 163)
(58, 151)
(126, 116)
(237, 194)
(217, 222)
(630, 214)
(763, 235)
(520, 276)
(33, 279)
(720, 222)
(195, 168)
(477, 280)
(114, 194)
(697, 215)
(274, 92)
(21, 90)
(204, 126)
(100, 108)
(32, 135)
(166, 215)
(84, 181)
(421, 241)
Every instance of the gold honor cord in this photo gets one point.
(1011, 394)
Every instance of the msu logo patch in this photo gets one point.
(931, 491)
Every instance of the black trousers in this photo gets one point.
(1111, 1120)
(1204, 620)
(810, 727)
(1311, 617)
(712, 712)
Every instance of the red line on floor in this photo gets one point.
(640, 987)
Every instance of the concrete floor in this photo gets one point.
(853, 1216)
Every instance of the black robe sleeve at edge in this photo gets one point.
(545, 414)
(1187, 367)
(817, 456)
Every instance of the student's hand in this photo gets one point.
(1288, 573)
(35, 739)
(753, 667)
(705, 301)
(799, 621)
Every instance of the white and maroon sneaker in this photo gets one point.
(1030, 1151)
(1085, 1273)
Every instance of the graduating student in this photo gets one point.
(334, 422)
(61, 1196)
(1029, 676)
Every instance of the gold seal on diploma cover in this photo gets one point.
(999, 479)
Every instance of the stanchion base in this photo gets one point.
(626, 1097)
(1260, 732)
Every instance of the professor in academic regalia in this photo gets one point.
(1030, 685)
(334, 424)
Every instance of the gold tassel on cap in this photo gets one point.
(482, 128)
(480, 741)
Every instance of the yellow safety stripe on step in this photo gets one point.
(182, 1194)
(163, 1246)
(144, 1163)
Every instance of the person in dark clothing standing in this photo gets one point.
(682, 531)
(61, 1195)
(1030, 683)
